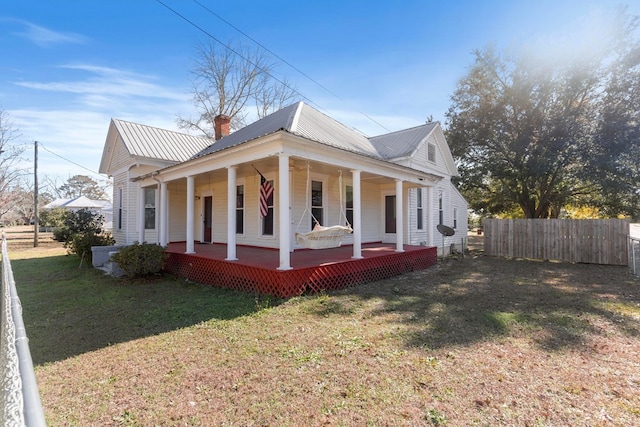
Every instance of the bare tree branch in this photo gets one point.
(228, 82)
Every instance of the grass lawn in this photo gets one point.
(474, 341)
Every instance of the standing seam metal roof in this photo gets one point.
(156, 143)
(401, 143)
(302, 120)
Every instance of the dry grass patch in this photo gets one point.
(478, 341)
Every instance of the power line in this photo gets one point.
(67, 160)
(236, 52)
(266, 49)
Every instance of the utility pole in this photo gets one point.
(36, 226)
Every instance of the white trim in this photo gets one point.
(399, 216)
(239, 182)
(270, 176)
(324, 179)
(202, 196)
(284, 213)
(232, 189)
(386, 237)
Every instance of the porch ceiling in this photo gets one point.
(297, 165)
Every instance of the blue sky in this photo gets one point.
(67, 66)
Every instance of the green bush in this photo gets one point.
(140, 259)
(81, 243)
(82, 221)
(52, 218)
(81, 229)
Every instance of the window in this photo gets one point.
(419, 213)
(119, 208)
(317, 207)
(149, 208)
(240, 209)
(440, 210)
(349, 205)
(267, 220)
(431, 152)
(455, 217)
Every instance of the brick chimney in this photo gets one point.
(221, 125)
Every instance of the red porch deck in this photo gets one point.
(312, 270)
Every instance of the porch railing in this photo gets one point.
(21, 404)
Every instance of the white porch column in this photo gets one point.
(231, 214)
(164, 215)
(191, 194)
(399, 217)
(430, 213)
(284, 212)
(140, 215)
(357, 215)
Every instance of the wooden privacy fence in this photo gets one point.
(591, 241)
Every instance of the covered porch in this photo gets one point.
(257, 269)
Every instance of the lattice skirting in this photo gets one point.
(294, 282)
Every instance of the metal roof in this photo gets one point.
(156, 143)
(75, 203)
(302, 120)
(403, 142)
(281, 119)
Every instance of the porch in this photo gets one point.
(311, 270)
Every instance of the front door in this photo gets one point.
(390, 214)
(208, 218)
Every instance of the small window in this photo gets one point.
(431, 152)
(149, 208)
(317, 207)
(455, 217)
(440, 210)
(349, 205)
(267, 220)
(240, 209)
(420, 210)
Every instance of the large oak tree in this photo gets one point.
(536, 136)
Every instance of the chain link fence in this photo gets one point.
(21, 404)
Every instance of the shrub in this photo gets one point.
(80, 230)
(81, 243)
(140, 259)
(53, 218)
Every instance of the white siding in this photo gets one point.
(415, 236)
(178, 215)
(451, 199)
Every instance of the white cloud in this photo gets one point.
(76, 124)
(108, 83)
(45, 37)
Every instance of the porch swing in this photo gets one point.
(322, 237)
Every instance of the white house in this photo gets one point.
(172, 187)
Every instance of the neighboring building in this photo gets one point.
(173, 187)
(102, 207)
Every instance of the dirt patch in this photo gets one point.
(22, 237)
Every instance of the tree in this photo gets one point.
(618, 136)
(532, 135)
(229, 82)
(82, 185)
(80, 230)
(10, 156)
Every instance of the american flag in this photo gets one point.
(266, 190)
